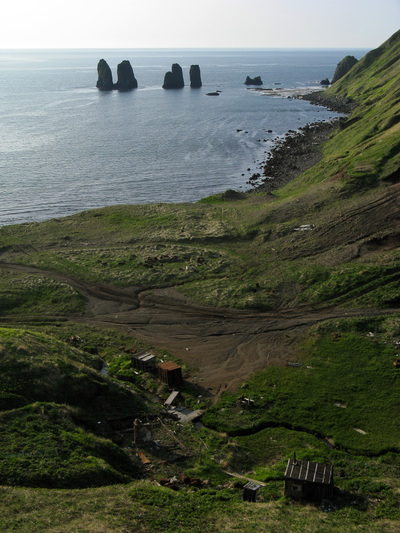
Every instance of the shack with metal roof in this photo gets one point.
(170, 373)
(308, 480)
(144, 361)
(250, 491)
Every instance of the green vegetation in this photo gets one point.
(366, 151)
(55, 404)
(37, 295)
(42, 445)
(35, 367)
(345, 389)
(328, 241)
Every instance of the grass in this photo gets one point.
(53, 445)
(54, 406)
(244, 254)
(338, 405)
(36, 367)
(37, 295)
(45, 445)
(346, 382)
(144, 507)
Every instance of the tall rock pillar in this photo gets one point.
(174, 78)
(104, 76)
(126, 78)
(195, 77)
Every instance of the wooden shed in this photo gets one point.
(170, 373)
(144, 361)
(250, 491)
(308, 480)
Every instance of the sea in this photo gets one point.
(66, 147)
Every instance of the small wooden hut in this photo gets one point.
(250, 491)
(170, 373)
(308, 480)
(144, 361)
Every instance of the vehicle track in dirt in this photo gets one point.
(222, 347)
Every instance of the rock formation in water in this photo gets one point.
(325, 82)
(195, 77)
(104, 76)
(343, 67)
(174, 78)
(253, 81)
(126, 78)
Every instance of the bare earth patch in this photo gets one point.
(222, 347)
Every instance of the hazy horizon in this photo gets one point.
(191, 48)
(211, 24)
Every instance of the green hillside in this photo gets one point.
(53, 400)
(314, 266)
(366, 152)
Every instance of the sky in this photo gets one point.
(198, 23)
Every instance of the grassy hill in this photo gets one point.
(54, 410)
(366, 152)
(327, 240)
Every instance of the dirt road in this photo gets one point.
(221, 346)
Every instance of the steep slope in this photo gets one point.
(54, 404)
(315, 266)
(366, 150)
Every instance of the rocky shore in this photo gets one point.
(294, 154)
(333, 103)
(300, 150)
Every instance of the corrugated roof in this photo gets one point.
(148, 357)
(169, 365)
(140, 355)
(308, 471)
(252, 486)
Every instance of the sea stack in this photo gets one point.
(343, 67)
(104, 76)
(174, 78)
(253, 81)
(195, 77)
(126, 78)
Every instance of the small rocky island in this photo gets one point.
(127, 81)
(195, 77)
(253, 81)
(343, 67)
(173, 79)
(104, 76)
(126, 78)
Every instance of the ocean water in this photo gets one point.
(66, 147)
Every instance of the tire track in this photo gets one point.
(222, 347)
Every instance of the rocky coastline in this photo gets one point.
(291, 155)
(333, 103)
(302, 149)
(294, 154)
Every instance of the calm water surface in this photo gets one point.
(66, 147)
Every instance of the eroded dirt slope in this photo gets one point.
(221, 346)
